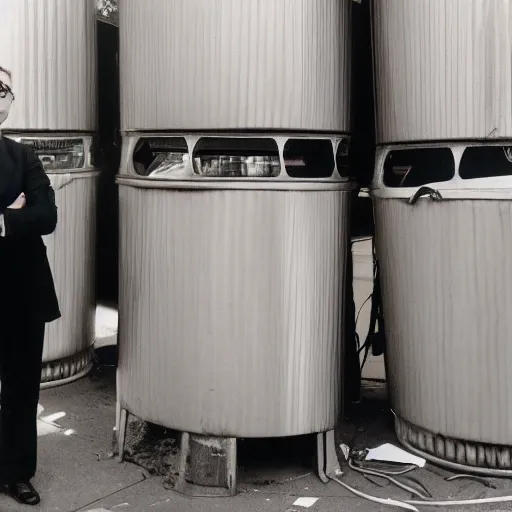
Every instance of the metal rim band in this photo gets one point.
(63, 371)
(455, 454)
(253, 184)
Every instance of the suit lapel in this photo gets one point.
(7, 166)
(8, 187)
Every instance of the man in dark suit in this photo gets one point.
(27, 302)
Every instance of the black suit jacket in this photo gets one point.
(26, 279)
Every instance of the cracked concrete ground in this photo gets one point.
(76, 474)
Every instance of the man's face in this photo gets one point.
(6, 96)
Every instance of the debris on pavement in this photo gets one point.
(153, 448)
(402, 465)
(345, 450)
(390, 453)
(305, 502)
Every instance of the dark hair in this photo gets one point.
(6, 71)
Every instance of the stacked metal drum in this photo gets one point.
(234, 198)
(443, 211)
(50, 49)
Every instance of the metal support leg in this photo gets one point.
(231, 466)
(327, 458)
(181, 482)
(121, 434)
(189, 488)
(118, 402)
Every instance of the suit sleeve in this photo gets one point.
(39, 216)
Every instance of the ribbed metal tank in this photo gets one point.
(67, 351)
(50, 49)
(447, 292)
(49, 46)
(231, 281)
(230, 64)
(231, 300)
(443, 69)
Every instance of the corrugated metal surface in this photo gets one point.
(49, 46)
(457, 455)
(447, 295)
(230, 309)
(443, 69)
(71, 252)
(198, 64)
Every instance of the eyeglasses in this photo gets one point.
(5, 90)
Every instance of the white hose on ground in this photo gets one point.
(479, 501)
(409, 504)
(382, 501)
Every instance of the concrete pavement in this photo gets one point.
(76, 473)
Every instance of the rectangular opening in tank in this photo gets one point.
(219, 157)
(342, 162)
(486, 162)
(160, 156)
(58, 154)
(417, 167)
(309, 158)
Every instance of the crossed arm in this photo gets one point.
(34, 213)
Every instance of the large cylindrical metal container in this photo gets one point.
(444, 235)
(233, 243)
(234, 209)
(443, 69)
(50, 49)
(231, 64)
(231, 293)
